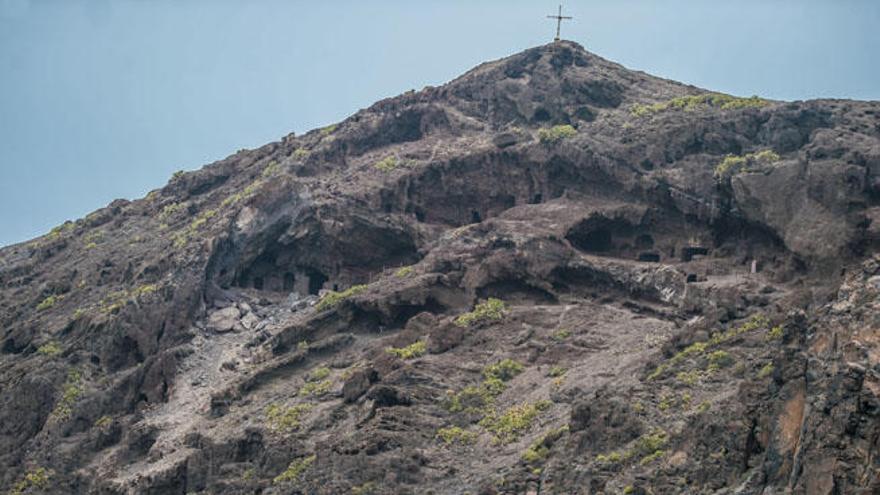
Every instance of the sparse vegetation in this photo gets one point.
(178, 174)
(332, 298)
(766, 370)
(556, 133)
(117, 300)
(58, 231)
(412, 351)
(367, 488)
(561, 334)
(316, 388)
(284, 419)
(695, 102)
(503, 370)
(775, 333)
(271, 169)
(557, 371)
(330, 129)
(51, 348)
(689, 378)
(647, 448)
(48, 302)
(303, 345)
(318, 374)
(489, 310)
(70, 392)
(699, 348)
(170, 209)
(300, 154)
(718, 360)
(539, 450)
(479, 398)
(295, 470)
(507, 426)
(387, 164)
(37, 479)
(455, 434)
(733, 164)
(404, 272)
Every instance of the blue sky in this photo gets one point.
(105, 99)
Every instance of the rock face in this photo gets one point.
(550, 275)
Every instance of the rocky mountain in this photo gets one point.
(552, 275)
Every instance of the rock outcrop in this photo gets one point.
(550, 275)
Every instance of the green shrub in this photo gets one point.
(103, 421)
(698, 348)
(71, 391)
(37, 479)
(503, 370)
(330, 129)
(117, 300)
(646, 448)
(286, 418)
(454, 434)
(719, 359)
(766, 371)
(318, 374)
(295, 470)
(732, 164)
(178, 174)
(775, 333)
(556, 133)
(695, 102)
(170, 209)
(387, 164)
(556, 371)
(561, 334)
(689, 377)
(48, 302)
(56, 232)
(300, 154)
(367, 488)
(50, 348)
(411, 351)
(404, 272)
(490, 310)
(316, 388)
(539, 450)
(514, 421)
(271, 169)
(332, 298)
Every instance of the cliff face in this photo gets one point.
(551, 275)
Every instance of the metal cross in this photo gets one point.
(559, 18)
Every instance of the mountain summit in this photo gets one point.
(550, 275)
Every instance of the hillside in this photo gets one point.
(550, 275)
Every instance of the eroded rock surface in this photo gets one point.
(450, 292)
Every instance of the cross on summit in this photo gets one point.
(559, 18)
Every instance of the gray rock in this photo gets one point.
(224, 320)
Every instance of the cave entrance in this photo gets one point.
(688, 253)
(289, 281)
(316, 281)
(644, 241)
(596, 241)
(649, 257)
